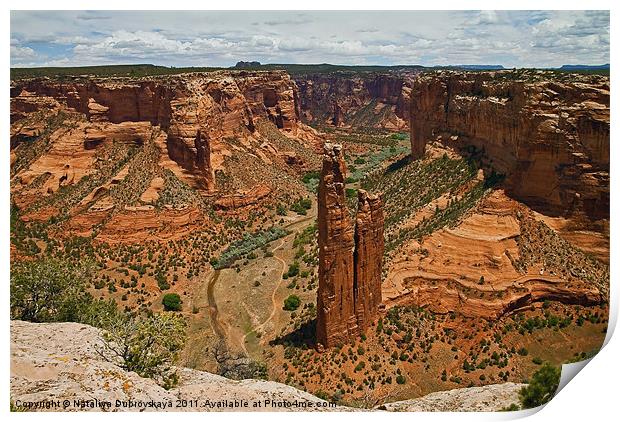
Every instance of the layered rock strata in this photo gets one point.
(194, 110)
(336, 319)
(549, 134)
(350, 258)
(367, 258)
(378, 100)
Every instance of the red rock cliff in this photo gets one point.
(549, 134)
(350, 99)
(217, 105)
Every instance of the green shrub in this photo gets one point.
(541, 388)
(293, 269)
(537, 360)
(171, 302)
(145, 345)
(398, 136)
(291, 303)
(400, 379)
(301, 206)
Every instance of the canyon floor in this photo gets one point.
(479, 288)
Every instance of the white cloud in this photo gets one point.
(22, 53)
(512, 38)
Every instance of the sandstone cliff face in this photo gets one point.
(343, 99)
(368, 257)
(549, 135)
(194, 110)
(336, 320)
(349, 259)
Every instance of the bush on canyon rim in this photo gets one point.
(147, 345)
(171, 302)
(542, 386)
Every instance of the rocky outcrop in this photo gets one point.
(549, 134)
(336, 319)
(243, 198)
(488, 398)
(58, 362)
(376, 100)
(349, 259)
(368, 258)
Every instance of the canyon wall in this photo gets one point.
(378, 100)
(194, 110)
(549, 134)
(350, 258)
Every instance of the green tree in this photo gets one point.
(47, 290)
(542, 386)
(171, 302)
(291, 303)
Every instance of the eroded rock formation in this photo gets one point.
(367, 258)
(336, 320)
(349, 260)
(548, 134)
(203, 160)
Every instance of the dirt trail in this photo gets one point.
(274, 305)
(217, 325)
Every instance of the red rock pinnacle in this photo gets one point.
(349, 289)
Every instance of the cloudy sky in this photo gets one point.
(510, 38)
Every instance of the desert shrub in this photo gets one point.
(145, 345)
(399, 136)
(301, 206)
(541, 388)
(162, 283)
(171, 302)
(291, 303)
(322, 395)
(537, 360)
(400, 379)
(293, 269)
(48, 290)
(281, 209)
